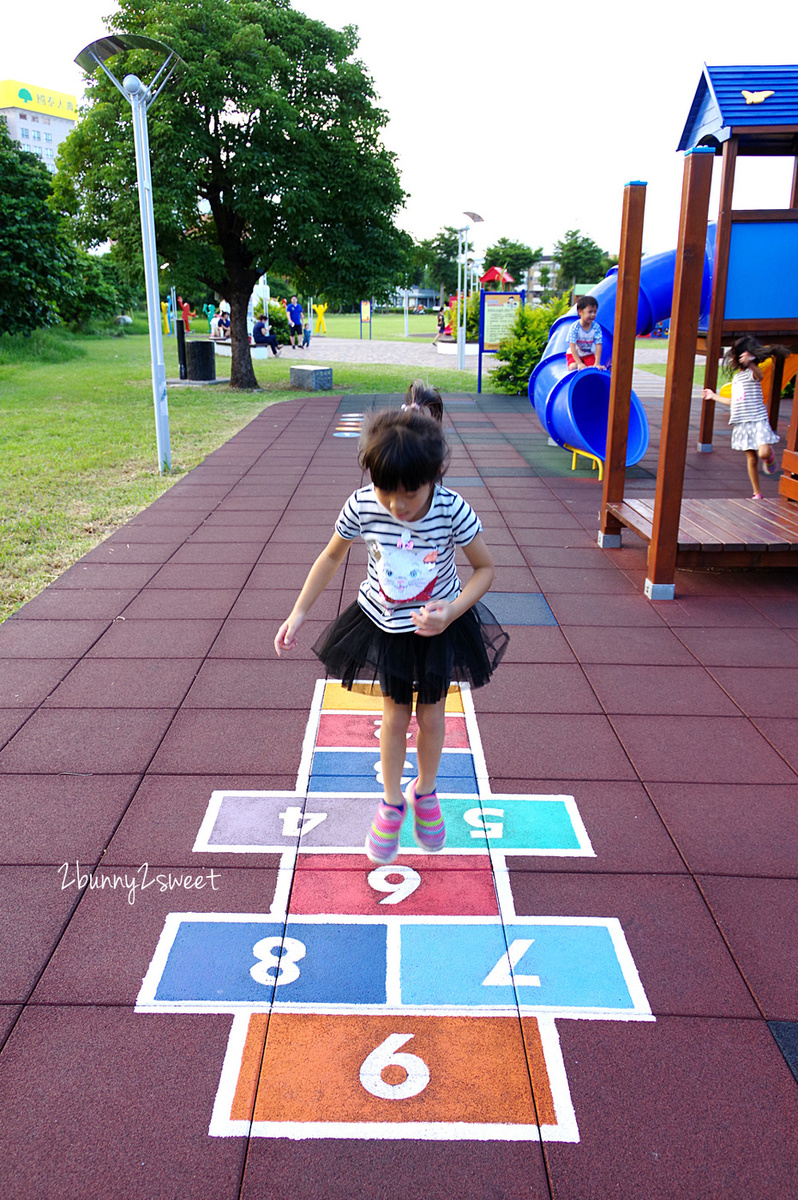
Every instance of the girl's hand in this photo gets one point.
(708, 394)
(432, 619)
(286, 637)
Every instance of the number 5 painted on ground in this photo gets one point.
(385, 1056)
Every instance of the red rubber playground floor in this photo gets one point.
(207, 992)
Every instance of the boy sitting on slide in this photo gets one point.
(584, 338)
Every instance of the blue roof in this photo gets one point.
(737, 97)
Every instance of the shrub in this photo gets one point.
(521, 352)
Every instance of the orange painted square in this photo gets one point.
(479, 1069)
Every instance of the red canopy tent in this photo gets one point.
(496, 275)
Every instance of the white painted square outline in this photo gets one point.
(202, 844)
(221, 1125)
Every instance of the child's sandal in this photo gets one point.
(757, 496)
(769, 465)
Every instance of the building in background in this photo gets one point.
(38, 118)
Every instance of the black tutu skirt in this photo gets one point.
(360, 654)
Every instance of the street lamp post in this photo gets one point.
(140, 96)
(462, 287)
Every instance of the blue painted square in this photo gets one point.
(520, 608)
(356, 771)
(449, 965)
(213, 961)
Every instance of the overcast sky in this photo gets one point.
(507, 109)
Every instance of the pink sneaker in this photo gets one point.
(429, 830)
(757, 496)
(382, 839)
(769, 465)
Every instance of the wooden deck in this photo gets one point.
(724, 533)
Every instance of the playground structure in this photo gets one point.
(727, 281)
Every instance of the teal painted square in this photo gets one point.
(576, 965)
(526, 824)
(458, 829)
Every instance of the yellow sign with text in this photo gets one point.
(501, 309)
(14, 94)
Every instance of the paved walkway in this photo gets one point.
(608, 954)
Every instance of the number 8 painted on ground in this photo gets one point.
(384, 1056)
(281, 954)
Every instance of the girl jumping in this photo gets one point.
(413, 628)
(749, 417)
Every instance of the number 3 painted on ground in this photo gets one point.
(385, 1056)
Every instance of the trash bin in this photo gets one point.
(201, 360)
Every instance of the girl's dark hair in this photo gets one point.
(585, 302)
(755, 348)
(403, 450)
(419, 395)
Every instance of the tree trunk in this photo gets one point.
(242, 373)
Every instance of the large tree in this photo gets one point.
(579, 260)
(34, 256)
(514, 257)
(266, 156)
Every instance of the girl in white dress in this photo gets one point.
(749, 417)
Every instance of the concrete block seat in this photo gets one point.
(311, 379)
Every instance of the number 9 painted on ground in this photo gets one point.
(380, 880)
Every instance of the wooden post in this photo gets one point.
(719, 276)
(623, 356)
(679, 380)
(776, 385)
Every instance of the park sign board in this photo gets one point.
(14, 94)
(497, 312)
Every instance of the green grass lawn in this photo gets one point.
(662, 370)
(385, 327)
(78, 439)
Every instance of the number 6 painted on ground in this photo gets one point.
(384, 1056)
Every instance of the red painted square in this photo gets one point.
(415, 886)
(362, 729)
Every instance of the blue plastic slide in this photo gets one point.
(573, 406)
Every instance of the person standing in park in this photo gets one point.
(294, 311)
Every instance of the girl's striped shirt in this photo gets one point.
(747, 403)
(409, 562)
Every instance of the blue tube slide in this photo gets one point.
(573, 406)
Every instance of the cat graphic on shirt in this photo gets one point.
(405, 575)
